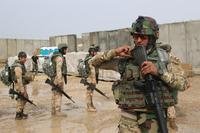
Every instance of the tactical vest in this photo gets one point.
(130, 93)
(22, 66)
(64, 65)
(87, 58)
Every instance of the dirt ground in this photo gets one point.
(78, 120)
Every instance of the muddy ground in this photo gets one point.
(78, 120)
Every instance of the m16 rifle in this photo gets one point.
(20, 96)
(140, 55)
(84, 81)
(58, 89)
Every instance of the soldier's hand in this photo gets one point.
(149, 68)
(58, 83)
(123, 50)
(24, 93)
(92, 81)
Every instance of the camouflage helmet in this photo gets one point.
(22, 54)
(145, 26)
(62, 45)
(93, 48)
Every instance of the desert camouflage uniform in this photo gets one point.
(175, 68)
(90, 90)
(60, 67)
(20, 85)
(135, 119)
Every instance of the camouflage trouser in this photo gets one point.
(35, 67)
(139, 123)
(171, 115)
(89, 99)
(20, 102)
(56, 101)
(90, 88)
(89, 96)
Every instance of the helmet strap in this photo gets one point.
(151, 43)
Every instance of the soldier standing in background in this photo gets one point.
(20, 76)
(35, 61)
(90, 89)
(175, 68)
(60, 78)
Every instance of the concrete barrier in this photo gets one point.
(70, 40)
(184, 37)
(11, 47)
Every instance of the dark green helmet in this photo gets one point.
(145, 26)
(62, 45)
(22, 54)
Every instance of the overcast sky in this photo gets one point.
(39, 19)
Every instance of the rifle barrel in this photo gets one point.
(48, 81)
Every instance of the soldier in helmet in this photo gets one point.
(35, 60)
(60, 78)
(137, 114)
(19, 76)
(89, 94)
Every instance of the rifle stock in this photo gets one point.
(84, 81)
(140, 56)
(48, 81)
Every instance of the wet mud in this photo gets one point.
(75, 117)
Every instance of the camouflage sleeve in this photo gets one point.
(19, 84)
(103, 61)
(102, 57)
(175, 76)
(58, 78)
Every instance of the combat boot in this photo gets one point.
(18, 116)
(172, 124)
(90, 105)
(25, 116)
(91, 108)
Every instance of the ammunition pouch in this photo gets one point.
(133, 94)
(27, 78)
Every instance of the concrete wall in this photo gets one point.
(106, 39)
(184, 37)
(11, 47)
(70, 40)
(79, 44)
(86, 41)
(193, 43)
(3, 49)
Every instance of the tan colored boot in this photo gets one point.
(18, 116)
(90, 105)
(172, 124)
